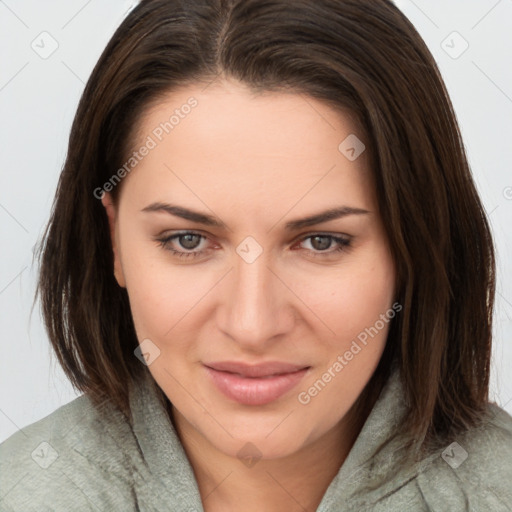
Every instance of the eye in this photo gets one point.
(320, 243)
(188, 240)
(186, 243)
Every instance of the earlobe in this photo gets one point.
(111, 211)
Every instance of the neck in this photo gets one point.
(295, 482)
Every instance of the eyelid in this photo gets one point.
(171, 234)
(163, 240)
(309, 234)
(342, 240)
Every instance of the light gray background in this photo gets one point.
(38, 98)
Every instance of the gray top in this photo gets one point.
(81, 458)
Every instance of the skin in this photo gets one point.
(255, 163)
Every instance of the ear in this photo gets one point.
(111, 210)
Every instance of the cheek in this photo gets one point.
(350, 297)
(166, 297)
(358, 306)
(163, 296)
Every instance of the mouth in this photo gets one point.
(255, 384)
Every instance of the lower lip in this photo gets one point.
(254, 391)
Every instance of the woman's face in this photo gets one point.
(252, 282)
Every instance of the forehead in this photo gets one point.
(224, 140)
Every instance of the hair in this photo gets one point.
(358, 56)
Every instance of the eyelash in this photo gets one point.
(343, 244)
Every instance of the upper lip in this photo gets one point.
(256, 370)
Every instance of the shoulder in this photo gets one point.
(64, 460)
(474, 471)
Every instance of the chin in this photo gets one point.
(259, 446)
(275, 435)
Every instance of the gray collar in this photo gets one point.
(172, 478)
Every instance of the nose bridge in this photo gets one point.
(254, 302)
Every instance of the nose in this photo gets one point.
(255, 306)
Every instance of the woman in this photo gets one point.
(269, 272)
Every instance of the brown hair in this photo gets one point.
(362, 56)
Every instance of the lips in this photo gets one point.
(255, 384)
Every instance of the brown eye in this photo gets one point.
(183, 245)
(326, 245)
(321, 242)
(189, 241)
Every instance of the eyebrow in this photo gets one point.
(209, 220)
